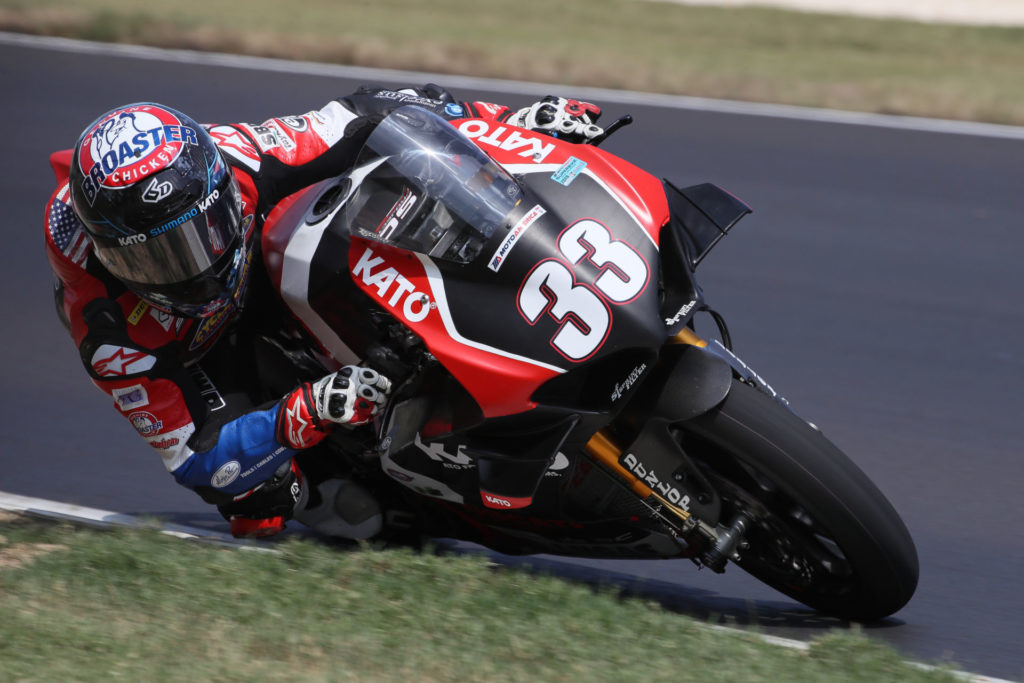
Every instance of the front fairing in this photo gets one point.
(554, 296)
(558, 285)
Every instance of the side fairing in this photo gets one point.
(417, 293)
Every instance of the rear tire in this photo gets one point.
(821, 532)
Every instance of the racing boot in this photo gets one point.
(339, 507)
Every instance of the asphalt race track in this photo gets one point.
(877, 285)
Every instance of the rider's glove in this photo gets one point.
(570, 120)
(352, 395)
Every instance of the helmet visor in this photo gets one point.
(206, 293)
(181, 249)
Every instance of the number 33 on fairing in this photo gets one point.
(582, 309)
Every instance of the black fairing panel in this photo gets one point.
(484, 303)
(337, 299)
(703, 214)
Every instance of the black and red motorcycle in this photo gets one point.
(533, 301)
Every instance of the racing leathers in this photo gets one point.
(195, 388)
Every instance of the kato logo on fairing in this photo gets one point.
(392, 287)
(509, 139)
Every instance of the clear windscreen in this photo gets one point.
(422, 186)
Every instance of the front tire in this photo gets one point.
(820, 531)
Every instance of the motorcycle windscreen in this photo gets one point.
(426, 188)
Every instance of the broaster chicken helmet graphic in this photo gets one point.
(162, 208)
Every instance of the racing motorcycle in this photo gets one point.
(533, 302)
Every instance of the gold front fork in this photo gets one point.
(605, 451)
(688, 336)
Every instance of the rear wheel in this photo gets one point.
(817, 529)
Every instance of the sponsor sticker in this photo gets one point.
(129, 398)
(173, 445)
(680, 314)
(164, 319)
(265, 136)
(627, 384)
(513, 236)
(499, 502)
(157, 191)
(283, 138)
(118, 361)
(145, 423)
(454, 110)
(136, 315)
(202, 207)
(394, 217)
(568, 171)
(231, 142)
(406, 98)
(558, 465)
(659, 483)
(210, 327)
(296, 123)
(129, 144)
(226, 474)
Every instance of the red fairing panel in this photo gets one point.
(403, 284)
(282, 222)
(639, 191)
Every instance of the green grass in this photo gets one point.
(136, 605)
(864, 64)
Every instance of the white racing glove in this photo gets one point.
(352, 395)
(570, 120)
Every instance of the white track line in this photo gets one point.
(602, 95)
(973, 12)
(80, 514)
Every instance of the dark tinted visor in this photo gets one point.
(207, 293)
(181, 249)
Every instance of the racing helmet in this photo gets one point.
(163, 209)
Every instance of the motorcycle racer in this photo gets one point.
(154, 235)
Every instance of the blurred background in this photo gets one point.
(839, 55)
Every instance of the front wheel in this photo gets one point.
(817, 529)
